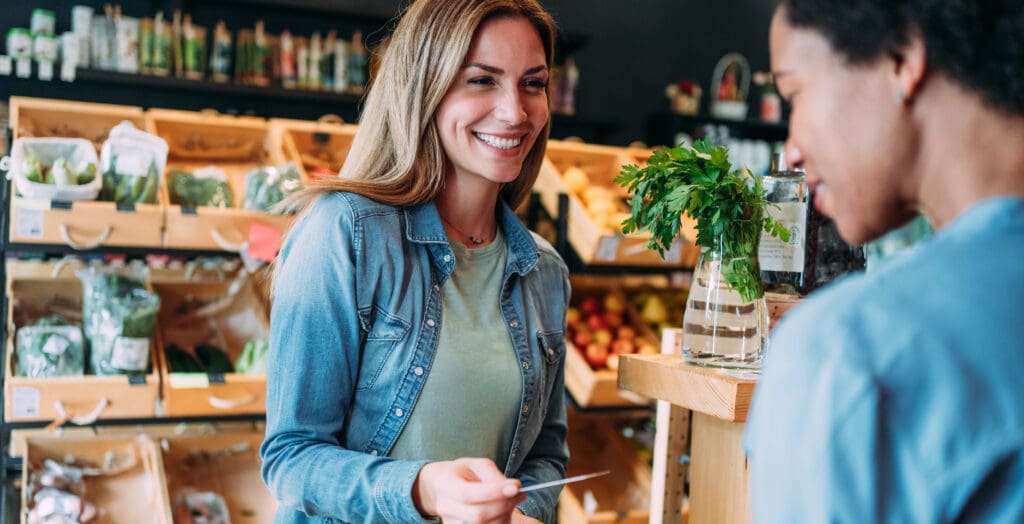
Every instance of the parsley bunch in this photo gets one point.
(729, 207)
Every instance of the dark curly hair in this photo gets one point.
(977, 43)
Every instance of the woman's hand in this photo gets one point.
(466, 490)
(520, 518)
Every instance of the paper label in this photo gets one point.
(775, 255)
(28, 222)
(25, 402)
(607, 248)
(46, 70)
(130, 353)
(190, 380)
(23, 68)
(5, 65)
(56, 345)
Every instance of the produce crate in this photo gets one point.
(80, 224)
(230, 312)
(323, 144)
(591, 382)
(236, 145)
(33, 288)
(136, 494)
(597, 206)
(622, 496)
(227, 464)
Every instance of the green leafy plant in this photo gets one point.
(728, 205)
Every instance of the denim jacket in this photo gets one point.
(354, 326)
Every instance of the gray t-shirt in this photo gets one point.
(470, 401)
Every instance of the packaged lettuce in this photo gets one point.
(268, 185)
(118, 313)
(50, 347)
(253, 358)
(207, 186)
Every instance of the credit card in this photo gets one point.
(577, 478)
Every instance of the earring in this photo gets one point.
(901, 96)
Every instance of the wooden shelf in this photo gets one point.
(714, 392)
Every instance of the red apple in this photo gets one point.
(597, 355)
(596, 322)
(602, 336)
(613, 319)
(622, 347)
(626, 333)
(590, 305)
(572, 317)
(614, 302)
(582, 339)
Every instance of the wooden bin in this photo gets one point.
(321, 144)
(599, 387)
(599, 239)
(135, 495)
(622, 496)
(236, 145)
(227, 464)
(239, 317)
(30, 286)
(80, 224)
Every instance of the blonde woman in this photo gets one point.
(417, 332)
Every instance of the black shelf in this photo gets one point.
(370, 9)
(224, 88)
(662, 128)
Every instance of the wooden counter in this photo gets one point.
(720, 400)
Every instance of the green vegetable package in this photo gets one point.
(118, 313)
(50, 347)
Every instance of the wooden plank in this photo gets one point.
(669, 378)
(668, 476)
(719, 472)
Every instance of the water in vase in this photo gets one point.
(720, 329)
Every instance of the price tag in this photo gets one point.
(130, 353)
(25, 402)
(607, 248)
(190, 380)
(28, 222)
(5, 65)
(23, 68)
(264, 241)
(46, 70)
(136, 379)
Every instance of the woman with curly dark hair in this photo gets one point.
(896, 396)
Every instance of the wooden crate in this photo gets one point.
(597, 241)
(235, 144)
(239, 316)
(599, 387)
(324, 143)
(30, 286)
(81, 224)
(135, 495)
(622, 496)
(224, 463)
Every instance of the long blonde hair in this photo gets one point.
(397, 157)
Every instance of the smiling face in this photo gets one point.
(848, 128)
(491, 116)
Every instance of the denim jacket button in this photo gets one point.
(514, 323)
(373, 452)
(418, 371)
(447, 258)
(526, 409)
(399, 412)
(526, 365)
(430, 322)
(551, 352)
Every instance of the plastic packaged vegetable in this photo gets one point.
(55, 168)
(253, 358)
(268, 185)
(132, 162)
(118, 313)
(204, 187)
(50, 347)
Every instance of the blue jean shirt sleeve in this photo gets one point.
(549, 456)
(313, 363)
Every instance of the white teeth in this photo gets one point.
(498, 142)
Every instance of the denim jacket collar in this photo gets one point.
(423, 225)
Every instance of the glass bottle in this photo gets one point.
(788, 267)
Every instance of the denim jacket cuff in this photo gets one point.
(393, 492)
(532, 509)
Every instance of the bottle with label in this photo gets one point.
(787, 267)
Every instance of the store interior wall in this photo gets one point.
(634, 49)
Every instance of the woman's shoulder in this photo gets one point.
(352, 204)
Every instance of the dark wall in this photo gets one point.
(635, 48)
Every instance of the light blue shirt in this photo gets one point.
(354, 327)
(898, 396)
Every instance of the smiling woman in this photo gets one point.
(416, 321)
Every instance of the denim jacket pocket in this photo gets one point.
(552, 347)
(383, 333)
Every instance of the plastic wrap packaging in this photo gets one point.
(132, 163)
(206, 186)
(55, 168)
(267, 185)
(50, 347)
(118, 314)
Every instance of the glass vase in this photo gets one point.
(720, 328)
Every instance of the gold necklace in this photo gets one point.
(472, 239)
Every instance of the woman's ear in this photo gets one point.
(909, 65)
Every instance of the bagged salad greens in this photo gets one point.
(50, 347)
(204, 187)
(132, 163)
(126, 188)
(118, 314)
(253, 358)
(268, 185)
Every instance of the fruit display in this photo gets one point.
(600, 326)
(604, 204)
(660, 308)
